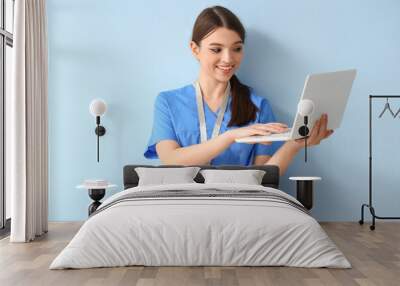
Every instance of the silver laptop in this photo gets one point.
(329, 93)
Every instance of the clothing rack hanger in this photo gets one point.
(370, 205)
(387, 107)
(397, 113)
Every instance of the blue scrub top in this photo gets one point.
(176, 118)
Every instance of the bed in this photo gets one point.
(198, 224)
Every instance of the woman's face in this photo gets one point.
(219, 54)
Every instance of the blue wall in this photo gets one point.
(126, 53)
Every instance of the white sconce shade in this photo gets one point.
(305, 107)
(98, 107)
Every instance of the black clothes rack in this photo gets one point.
(369, 205)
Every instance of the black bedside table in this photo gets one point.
(96, 193)
(304, 190)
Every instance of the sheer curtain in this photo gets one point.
(27, 160)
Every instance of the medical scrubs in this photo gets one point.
(176, 118)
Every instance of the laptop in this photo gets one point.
(329, 93)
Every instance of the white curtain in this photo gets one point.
(26, 120)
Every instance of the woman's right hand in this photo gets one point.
(256, 129)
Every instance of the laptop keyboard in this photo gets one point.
(282, 133)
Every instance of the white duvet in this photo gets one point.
(200, 231)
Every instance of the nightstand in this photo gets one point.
(304, 190)
(96, 193)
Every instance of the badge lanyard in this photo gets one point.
(202, 119)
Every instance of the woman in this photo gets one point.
(198, 124)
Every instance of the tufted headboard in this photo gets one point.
(270, 179)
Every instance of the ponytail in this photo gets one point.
(243, 109)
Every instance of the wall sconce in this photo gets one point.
(97, 108)
(305, 108)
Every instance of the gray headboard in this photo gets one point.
(270, 179)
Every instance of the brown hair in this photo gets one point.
(243, 109)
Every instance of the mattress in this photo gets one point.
(201, 225)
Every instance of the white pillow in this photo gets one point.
(163, 176)
(249, 177)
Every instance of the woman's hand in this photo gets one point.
(317, 134)
(257, 129)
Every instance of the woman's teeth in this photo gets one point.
(225, 68)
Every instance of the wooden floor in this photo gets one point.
(374, 255)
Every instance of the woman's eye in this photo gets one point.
(218, 50)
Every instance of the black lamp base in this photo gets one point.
(303, 130)
(100, 130)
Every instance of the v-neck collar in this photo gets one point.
(217, 111)
(208, 107)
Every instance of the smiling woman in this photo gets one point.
(198, 123)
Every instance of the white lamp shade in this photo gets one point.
(98, 107)
(305, 107)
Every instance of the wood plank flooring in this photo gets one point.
(374, 255)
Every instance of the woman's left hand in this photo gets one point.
(317, 134)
